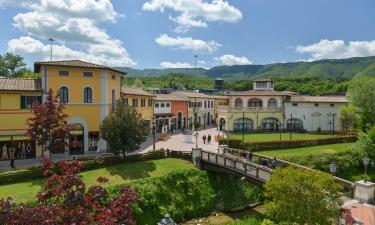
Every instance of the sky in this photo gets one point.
(169, 33)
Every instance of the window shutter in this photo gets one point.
(23, 102)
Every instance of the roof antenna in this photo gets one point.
(51, 42)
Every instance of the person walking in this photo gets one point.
(209, 139)
(251, 156)
(274, 163)
(204, 139)
(11, 157)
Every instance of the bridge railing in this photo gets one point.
(348, 186)
(245, 168)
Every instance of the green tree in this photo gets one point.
(362, 95)
(302, 197)
(348, 118)
(123, 129)
(11, 65)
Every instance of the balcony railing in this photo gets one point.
(249, 109)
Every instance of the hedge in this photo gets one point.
(187, 194)
(271, 145)
(32, 173)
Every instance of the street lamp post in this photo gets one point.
(153, 134)
(243, 127)
(291, 121)
(332, 168)
(279, 124)
(51, 42)
(196, 139)
(366, 162)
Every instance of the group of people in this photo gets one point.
(206, 138)
(264, 162)
(22, 151)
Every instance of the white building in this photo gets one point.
(314, 113)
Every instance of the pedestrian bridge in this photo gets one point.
(227, 160)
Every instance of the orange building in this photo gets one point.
(171, 112)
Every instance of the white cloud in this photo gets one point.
(337, 49)
(196, 13)
(170, 65)
(29, 46)
(230, 60)
(70, 22)
(188, 43)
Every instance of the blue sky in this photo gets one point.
(168, 33)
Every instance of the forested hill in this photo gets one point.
(333, 68)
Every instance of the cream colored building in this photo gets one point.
(260, 109)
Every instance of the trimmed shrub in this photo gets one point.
(186, 194)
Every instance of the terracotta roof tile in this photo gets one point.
(135, 91)
(170, 97)
(263, 93)
(328, 99)
(73, 63)
(191, 94)
(20, 84)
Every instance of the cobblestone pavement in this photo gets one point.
(176, 142)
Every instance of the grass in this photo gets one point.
(276, 136)
(117, 174)
(305, 151)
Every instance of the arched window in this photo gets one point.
(270, 124)
(294, 124)
(243, 124)
(254, 103)
(272, 103)
(64, 94)
(238, 102)
(87, 95)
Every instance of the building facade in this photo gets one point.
(89, 92)
(314, 113)
(16, 98)
(201, 108)
(260, 109)
(171, 112)
(142, 101)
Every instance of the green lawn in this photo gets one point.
(117, 174)
(276, 136)
(313, 150)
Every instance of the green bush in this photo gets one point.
(187, 194)
(253, 220)
(14, 176)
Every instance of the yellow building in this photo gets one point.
(16, 98)
(220, 101)
(89, 92)
(142, 101)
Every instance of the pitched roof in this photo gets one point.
(327, 99)
(263, 93)
(219, 96)
(20, 84)
(170, 97)
(74, 63)
(191, 94)
(134, 91)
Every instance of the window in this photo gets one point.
(294, 124)
(113, 99)
(261, 85)
(332, 105)
(316, 104)
(212, 104)
(143, 102)
(87, 95)
(64, 73)
(243, 124)
(135, 102)
(156, 105)
(205, 104)
(168, 105)
(255, 103)
(272, 103)
(162, 105)
(27, 101)
(64, 94)
(150, 103)
(87, 74)
(295, 104)
(113, 77)
(238, 102)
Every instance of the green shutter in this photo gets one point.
(23, 102)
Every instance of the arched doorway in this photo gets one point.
(270, 124)
(222, 124)
(77, 139)
(294, 124)
(243, 124)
